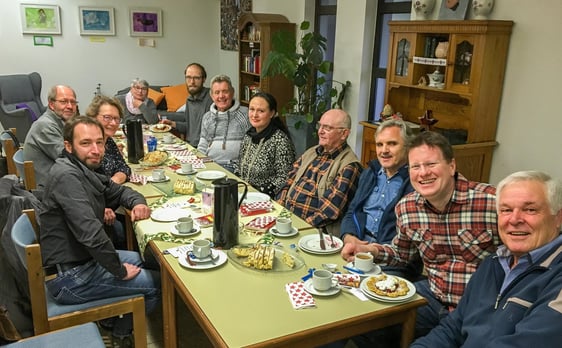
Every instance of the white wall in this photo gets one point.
(529, 131)
(191, 33)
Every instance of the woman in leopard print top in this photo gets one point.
(267, 152)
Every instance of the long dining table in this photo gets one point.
(238, 306)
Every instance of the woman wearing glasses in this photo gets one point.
(266, 153)
(137, 105)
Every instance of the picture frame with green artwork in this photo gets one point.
(40, 19)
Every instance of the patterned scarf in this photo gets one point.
(129, 101)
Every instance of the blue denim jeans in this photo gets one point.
(91, 281)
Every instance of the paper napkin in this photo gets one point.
(298, 296)
(138, 179)
(254, 208)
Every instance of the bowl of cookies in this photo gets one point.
(154, 159)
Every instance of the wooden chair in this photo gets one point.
(49, 315)
(9, 149)
(87, 334)
(25, 170)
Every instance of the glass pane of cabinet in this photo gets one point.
(463, 62)
(402, 54)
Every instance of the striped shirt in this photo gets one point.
(451, 243)
(303, 199)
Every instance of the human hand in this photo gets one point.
(351, 246)
(140, 212)
(109, 216)
(170, 122)
(137, 102)
(132, 271)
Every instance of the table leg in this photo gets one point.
(129, 231)
(168, 310)
(408, 328)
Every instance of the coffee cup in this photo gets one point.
(201, 248)
(186, 167)
(363, 261)
(168, 138)
(322, 280)
(158, 175)
(284, 225)
(184, 225)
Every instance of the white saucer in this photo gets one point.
(180, 172)
(374, 271)
(276, 233)
(175, 232)
(214, 256)
(311, 290)
(149, 178)
(207, 265)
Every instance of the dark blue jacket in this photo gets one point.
(355, 219)
(527, 314)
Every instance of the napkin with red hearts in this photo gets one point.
(261, 223)
(298, 296)
(138, 179)
(254, 208)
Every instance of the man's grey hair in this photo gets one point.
(222, 78)
(553, 187)
(405, 132)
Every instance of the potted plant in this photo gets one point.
(304, 65)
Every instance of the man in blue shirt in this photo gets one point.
(370, 217)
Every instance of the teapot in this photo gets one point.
(226, 206)
(436, 78)
(135, 145)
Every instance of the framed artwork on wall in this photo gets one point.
(230, 12)
(40, 19)
(145, 22)
(96, 20)
(42, 40)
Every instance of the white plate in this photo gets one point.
(374, 271)
(276, 233)
(375, 296)
(175, 232)
(149, 179)
(210, 175)
(308, 287)
(255, 197)
(221, 260)
(174, 147)
(213, 256)
(155, 129)
(168, 214)
(180, 172)
(311, 243)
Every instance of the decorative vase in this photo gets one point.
(441, 49)
(482, 8)
(423, 8)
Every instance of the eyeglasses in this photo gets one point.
(66, 101)
(427, 165)
(109, 118)
(194, 78)
(327, 128)
(139, 88)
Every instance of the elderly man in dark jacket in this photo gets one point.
(74, 244)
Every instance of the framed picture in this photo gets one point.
(42, 40)
(40, 19)
(97, 21)
(453, 9)
(145, 22)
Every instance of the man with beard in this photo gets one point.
(44, 143)
(198, 103)
(74, 245)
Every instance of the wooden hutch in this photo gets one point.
(467, 103)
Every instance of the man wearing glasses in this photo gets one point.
(324, 179)
(198, 103)
(44, 141)
(449, 222)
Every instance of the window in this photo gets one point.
(387, 10)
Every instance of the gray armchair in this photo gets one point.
(20, 101)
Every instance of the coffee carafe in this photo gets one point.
(135, 145)
(226, 205)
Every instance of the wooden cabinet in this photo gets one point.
(255, 33)
(467, 102)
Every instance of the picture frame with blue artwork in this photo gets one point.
(97, 21)
(145, 22)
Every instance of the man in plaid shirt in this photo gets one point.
(324, 179)
(448, 222)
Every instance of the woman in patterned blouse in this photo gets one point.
(267, 152)
(108, 112)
